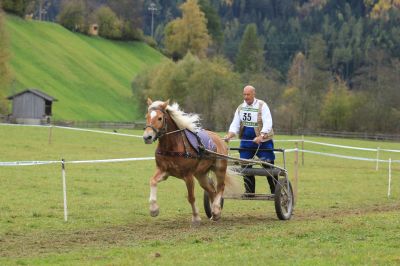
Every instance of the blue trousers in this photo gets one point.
(248, 135)
(263, 155)
(269, 156)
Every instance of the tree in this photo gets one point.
(292, 114)
(308, 78)
(109, 24)
(347, 52)
(188, 33)
(17, 7)
(378, 80)
(213, 23)
(336, 108)
(318, 66)
(213, 92)
(231, 38)
(207, 87)
(72, 15)
(5, 75)
(381, 7)
(296, 74)
(129, 13)
(250, 57)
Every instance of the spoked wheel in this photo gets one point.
(206, 201)
(284, 199)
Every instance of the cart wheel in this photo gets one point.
(284, 199)
(206, 202)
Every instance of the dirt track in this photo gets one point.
(14, 245)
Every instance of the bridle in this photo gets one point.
(164, 129)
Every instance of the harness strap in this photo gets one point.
(201, 145)
(185, 142)
(177, 154)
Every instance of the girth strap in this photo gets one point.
(177, 154)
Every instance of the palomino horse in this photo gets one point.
(174, 156)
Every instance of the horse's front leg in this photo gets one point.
(220, 173)
(154, 180)
(189, 180)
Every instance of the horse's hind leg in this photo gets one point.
(154, 180)
(190, 188)
(207, 186)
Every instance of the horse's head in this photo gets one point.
(156, 125)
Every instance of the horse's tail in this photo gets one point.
(233, 183)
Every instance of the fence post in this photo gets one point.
(302, 150)
(50, 133)
(64, 190)
(296, 168)
(390, 176)
(377, 159)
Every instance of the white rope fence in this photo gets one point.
(63, 162)
(343, 156)
(76, 129)
(30, 163)
(99, 131)
(63, 171)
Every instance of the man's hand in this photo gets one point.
(259, 139)
(228, 137)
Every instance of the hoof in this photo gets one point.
(215, 217)
(154, 213)
(216, 213)
(196, 223)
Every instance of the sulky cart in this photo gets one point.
(283, 195)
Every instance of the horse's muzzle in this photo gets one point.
(148, 138)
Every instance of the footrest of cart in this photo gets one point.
(251, 196)
(275, 172)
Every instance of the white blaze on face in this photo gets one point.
(153, 114)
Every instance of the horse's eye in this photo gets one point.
(160, 118)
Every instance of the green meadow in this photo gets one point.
(342, 214)
(89, 76)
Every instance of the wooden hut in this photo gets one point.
(94, 29)
(31, 106)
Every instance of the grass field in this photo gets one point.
(342, 215)
(90, 76)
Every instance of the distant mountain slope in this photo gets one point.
(89, 76)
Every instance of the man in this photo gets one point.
(253, 124)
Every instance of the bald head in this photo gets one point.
(249, 93)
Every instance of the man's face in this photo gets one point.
(248, 95)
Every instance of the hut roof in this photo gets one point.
(36, 92)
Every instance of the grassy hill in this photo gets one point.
(89, 76)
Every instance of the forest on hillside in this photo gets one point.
(319, 64)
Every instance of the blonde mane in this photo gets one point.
(182, 119)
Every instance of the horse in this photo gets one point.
(174, 156)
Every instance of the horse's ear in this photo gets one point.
(165, 104)
(149, 101)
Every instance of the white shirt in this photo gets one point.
(248, 114)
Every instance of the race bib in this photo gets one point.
(248, 116)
